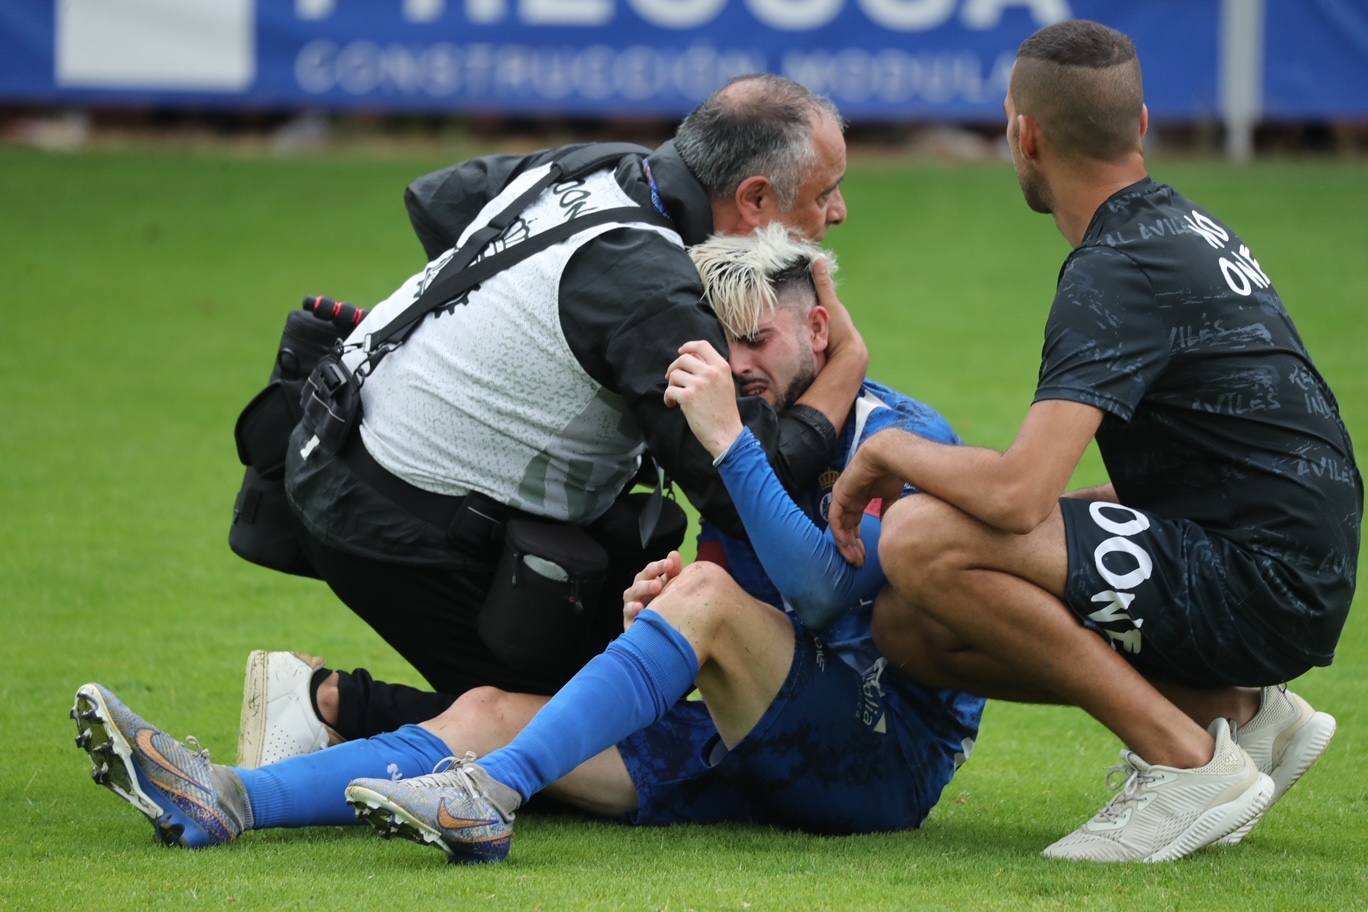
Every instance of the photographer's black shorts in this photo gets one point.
(1179, 604)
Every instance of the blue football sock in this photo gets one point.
(630, 685)
(308, 790)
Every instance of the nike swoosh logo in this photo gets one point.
(149, 749)
(447, 822)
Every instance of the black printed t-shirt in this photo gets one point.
(1214, 413)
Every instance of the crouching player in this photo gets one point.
(801, 722)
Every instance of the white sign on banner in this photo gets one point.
(156, 44)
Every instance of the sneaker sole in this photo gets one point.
(252, 723)
(1219, 821)
(1300, 755)
(390, 819)
(111, 761)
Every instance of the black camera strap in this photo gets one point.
(465, 269)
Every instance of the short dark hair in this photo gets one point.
(755, 124)
(1081, 81)
(795, 279)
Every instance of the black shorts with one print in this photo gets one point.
(1179, 604)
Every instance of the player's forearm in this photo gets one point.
(801, 559)
(984, 483)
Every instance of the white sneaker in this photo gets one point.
(1285, 737)
(278, 719)
(1163, 813)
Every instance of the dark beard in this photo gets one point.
(799, 384)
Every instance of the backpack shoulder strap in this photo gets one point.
(586, 160)
(459, 275)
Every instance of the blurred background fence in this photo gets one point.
(1231, 65)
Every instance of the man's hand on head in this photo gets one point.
(841, 327)
(840, 380)
(700, 383)
(844, 339)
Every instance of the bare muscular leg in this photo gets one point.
(1000, 595)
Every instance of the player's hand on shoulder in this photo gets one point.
(863, 480)
(647, 584)
(699, 382)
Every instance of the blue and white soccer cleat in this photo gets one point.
(449, 809)
(171, 785)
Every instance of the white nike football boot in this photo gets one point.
(278, 720)
(1162, 813)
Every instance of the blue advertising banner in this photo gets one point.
(1315, 59)
(877, 59)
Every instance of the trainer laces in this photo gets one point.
(1127, 780)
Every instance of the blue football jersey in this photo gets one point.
(950, 715)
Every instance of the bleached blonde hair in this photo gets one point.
(739, 273)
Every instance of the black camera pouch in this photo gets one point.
(331, 402)
(265, 530)
(264, 426)
(546, 597)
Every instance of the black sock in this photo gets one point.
(316, 681)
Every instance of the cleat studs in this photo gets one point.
(168, 833)
(71, 713)
(91, 715)
(83, 740)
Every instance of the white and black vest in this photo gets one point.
(487, 395)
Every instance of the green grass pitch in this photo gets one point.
(143, 296)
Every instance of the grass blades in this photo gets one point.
(143, 297)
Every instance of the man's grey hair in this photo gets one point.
(746, 276)
(754, 125)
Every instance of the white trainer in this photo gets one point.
(278, 719)
(1162, 813)
(1285, 737)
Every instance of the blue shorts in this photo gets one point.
(836, 752)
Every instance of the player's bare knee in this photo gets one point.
(482, 719)
(702, 598)
(923, 544)
(701, 576)
(698, 587)
(477, 706)
(914, 529)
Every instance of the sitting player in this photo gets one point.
(795, 730)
